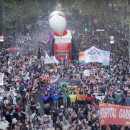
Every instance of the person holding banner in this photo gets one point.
(72, 99)
(65, 96)
(55, 98)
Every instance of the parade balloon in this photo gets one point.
(57, 21)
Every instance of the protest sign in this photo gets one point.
(1, 78)
(35, 57)
(110, 114)
(46, 121)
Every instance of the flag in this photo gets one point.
(54, 59)
(48, 59)
(81, 58)
(106, 55)
(55, 68)
(51, 36)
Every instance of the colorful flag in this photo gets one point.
(51, 36)
(81, 58)
(55, 68)
(63, 83)
(106, 55)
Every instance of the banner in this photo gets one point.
(54, 59)
(50, 60)
(1, 78)
(93, 55)
(110, 114)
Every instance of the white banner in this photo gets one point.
(1, 78)
(55, 60)
(94, 55)
(50, 60)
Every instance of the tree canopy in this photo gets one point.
(17, 13)
(23, 12)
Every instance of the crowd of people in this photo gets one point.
(70, 99)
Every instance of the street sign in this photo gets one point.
(100, 30)
(111, 39)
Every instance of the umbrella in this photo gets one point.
(12, 49)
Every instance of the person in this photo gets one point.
(55, 98)
(72, 98)
(21, 87)
(117, 96)
(64, 96)
(24, 80)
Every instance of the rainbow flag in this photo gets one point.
(55, 69)
(81, 58)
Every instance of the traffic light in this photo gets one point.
(86, 30)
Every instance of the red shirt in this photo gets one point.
(95, 106)
(89, 98)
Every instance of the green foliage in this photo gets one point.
(127, 22)
(106, 11)
(18, 13)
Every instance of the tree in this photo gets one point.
(107, 11)
(19, 13)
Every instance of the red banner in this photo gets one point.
(110, 114)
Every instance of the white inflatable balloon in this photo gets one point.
(57, 21)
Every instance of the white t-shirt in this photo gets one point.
(1, 98)
(1, 90)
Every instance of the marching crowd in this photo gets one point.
(71, 100)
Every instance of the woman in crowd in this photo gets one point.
(73, 107)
